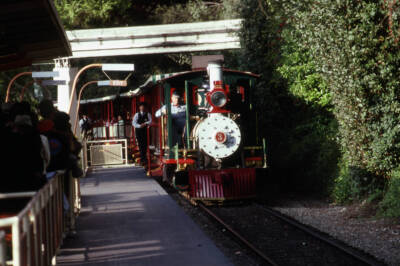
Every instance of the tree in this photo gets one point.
(293, 100)
(80, 14)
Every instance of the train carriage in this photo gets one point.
(220, 148)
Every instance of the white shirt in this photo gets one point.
(82, 121)
(174, 109)
(136, 117)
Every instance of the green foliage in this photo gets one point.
(390, 205)
(196, 10)
(300, 72)
(91, 13)
(293, 99)
(346, 189)
(353, 47)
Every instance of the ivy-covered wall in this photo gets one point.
(337, 64)
(294, 102)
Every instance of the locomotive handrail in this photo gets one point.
(37, 230)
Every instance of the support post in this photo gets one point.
(187, 131)
(167, 99)
(64, 91)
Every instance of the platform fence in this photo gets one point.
(104, 152)
(33, 235)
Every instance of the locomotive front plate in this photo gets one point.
(218, 136)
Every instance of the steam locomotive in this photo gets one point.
(221, 148)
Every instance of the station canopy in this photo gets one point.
(30, 32)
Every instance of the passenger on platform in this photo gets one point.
(23, 149)
(86, 126)
(64, 147)
(121, 127)
(178, 114)
(141, 121)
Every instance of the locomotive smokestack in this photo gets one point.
(214, 70)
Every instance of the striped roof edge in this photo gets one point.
(153, 80)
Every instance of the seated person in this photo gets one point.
(178, 114)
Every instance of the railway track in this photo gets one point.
(320, 247)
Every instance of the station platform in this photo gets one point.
(128, 219)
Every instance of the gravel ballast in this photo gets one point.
(378, 237)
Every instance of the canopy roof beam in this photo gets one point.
(169, 38)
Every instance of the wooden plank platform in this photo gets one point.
(128, 219)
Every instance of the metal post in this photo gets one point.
(21, 95)
(27, 231)
(187, 115)
(78, 103)
(12, 82)
(177, 157)
(76, 81)
(3, 248)
(126, 152)
(148, 151)
(66, 74)
(167, 99)
(265, 153)
(16, 247)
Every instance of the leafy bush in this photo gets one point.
(293, 99)
(196, 10)
(390, 205)
(89, 13)
(356, 51)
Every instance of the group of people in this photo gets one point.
(36, 143)
(96, 129)
(143, 119)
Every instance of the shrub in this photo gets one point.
(293, 99)
(355, 46)
(390, 205)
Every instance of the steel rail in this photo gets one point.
(237, 235)
(318, 236)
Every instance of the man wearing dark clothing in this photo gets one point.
(141, 121)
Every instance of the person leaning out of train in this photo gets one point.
(141, 120)
(178, 114)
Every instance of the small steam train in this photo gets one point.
(222, 151)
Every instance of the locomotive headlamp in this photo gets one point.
(218, 98)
